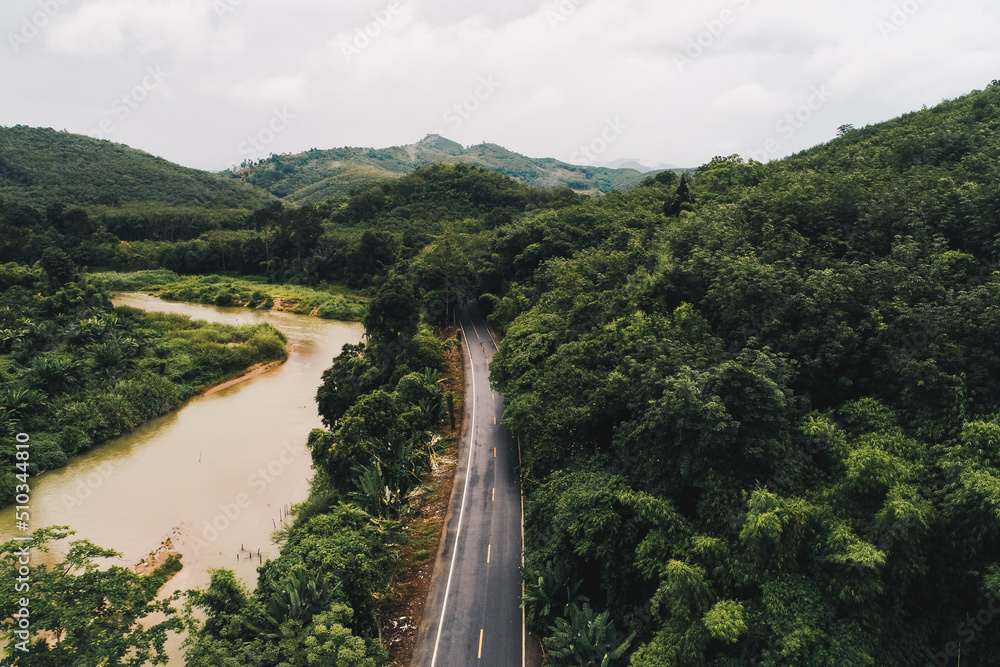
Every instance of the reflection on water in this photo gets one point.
(214, 475)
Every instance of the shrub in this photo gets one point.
(72, 439)
(46, 454)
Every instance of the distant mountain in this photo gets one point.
(316, 175)
(41, 166)
(632, 163)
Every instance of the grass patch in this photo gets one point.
(327, 302)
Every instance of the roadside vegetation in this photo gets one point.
(324, 599)
(759, 407)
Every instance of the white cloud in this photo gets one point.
(187, 28)
(564, 67)
(282, 89)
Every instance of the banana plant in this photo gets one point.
(549, 590)
(586, 639)
(302, 597)
(369, 482)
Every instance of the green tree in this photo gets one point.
(682, 199)
(58, 265)
(83, 615)
(393, 316)
(343, 383)
(444, 267)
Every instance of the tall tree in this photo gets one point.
(443, 266)
(682, 199)
(393, 315)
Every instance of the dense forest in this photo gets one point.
(758, 403)
(760, 408)
(40, 167)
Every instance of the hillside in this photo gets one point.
(41, 166)
(757, 407)
(313, 176)
(759, 411)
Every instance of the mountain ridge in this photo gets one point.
(300, 177)
(43, 166)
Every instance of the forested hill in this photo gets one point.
(760, 408)
(41, 166)
(318, 175)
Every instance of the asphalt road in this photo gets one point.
(473, 614)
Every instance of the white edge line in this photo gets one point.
(461, 513)
(524, 624)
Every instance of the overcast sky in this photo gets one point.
(208, 83)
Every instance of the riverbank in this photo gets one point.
(248, 374)
(81, 372)
(214, 476)
(328, 302)
(157, 559)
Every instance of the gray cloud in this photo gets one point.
(686, 81)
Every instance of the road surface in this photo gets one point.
(473, 612)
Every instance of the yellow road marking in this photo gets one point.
(494, 452)
(494, 421)
(480, 657)
(477, 332)
(489, 551)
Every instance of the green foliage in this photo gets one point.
(83, 614)
(314, 603)
(78, 371)
(34, 171)
(586, 638)
(330, 304)
(320, 601)
(549, 589)
(318, 175)
(769, 393)
(392, 316)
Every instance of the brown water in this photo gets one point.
(214, 475)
